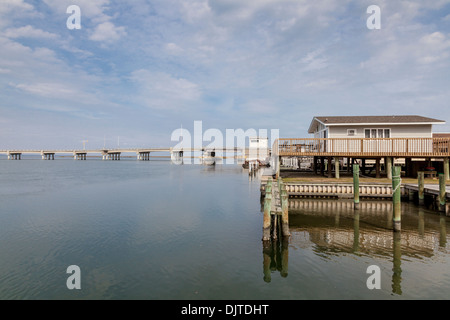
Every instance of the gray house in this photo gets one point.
(406, 126)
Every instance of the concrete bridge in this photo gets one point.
(142, 154)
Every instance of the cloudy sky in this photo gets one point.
(137, 70)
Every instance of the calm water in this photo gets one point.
(152, 230)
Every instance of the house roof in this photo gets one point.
(441, 135)
(379, 120)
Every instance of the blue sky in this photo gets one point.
(138, 70)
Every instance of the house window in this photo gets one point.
(351, 132)
(377, 133)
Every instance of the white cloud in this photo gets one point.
(163, 91)
(29, 32)
(7, 6)
(107, 32)
(94, 10)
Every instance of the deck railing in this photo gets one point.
(395, 147)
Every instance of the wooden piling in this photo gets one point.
(396, 197)
(267, 212)
(446, 169)
(389, 167)
(329, 167)
(377, 168)
(285, 213)
(336, 167)
(356, 186)
(421, 187)
(442, 192)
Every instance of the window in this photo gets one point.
(351, 132)
(377, 133)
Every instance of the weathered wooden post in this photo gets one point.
(421, 187)
(396, 197)
(356, 186)
(267, 211)
(336, 167)
(377, 168)
(446, 169)
(442, 192)
(285, 212)
(329, 167)
(389, 167)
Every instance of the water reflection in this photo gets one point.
(275, 257)
(332, 227)
(397, 270)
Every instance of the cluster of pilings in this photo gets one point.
(396, 194)
(14, 156)
(143, 156)
(253, 167)
(276, 207)
(48, 156)
(115, 156)
(440, 196)
(79, 156)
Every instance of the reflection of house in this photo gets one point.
(373, 127)
(333, 227)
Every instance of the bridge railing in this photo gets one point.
(364, 147)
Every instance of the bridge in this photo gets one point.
(142, 154)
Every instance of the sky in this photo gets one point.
(138, 70)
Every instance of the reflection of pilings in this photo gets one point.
(397, 270)
(275, 257)
(443, 232)
(421, 222)
(356, 231)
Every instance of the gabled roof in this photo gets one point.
(378, 120)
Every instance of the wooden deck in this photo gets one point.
(357, 147)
